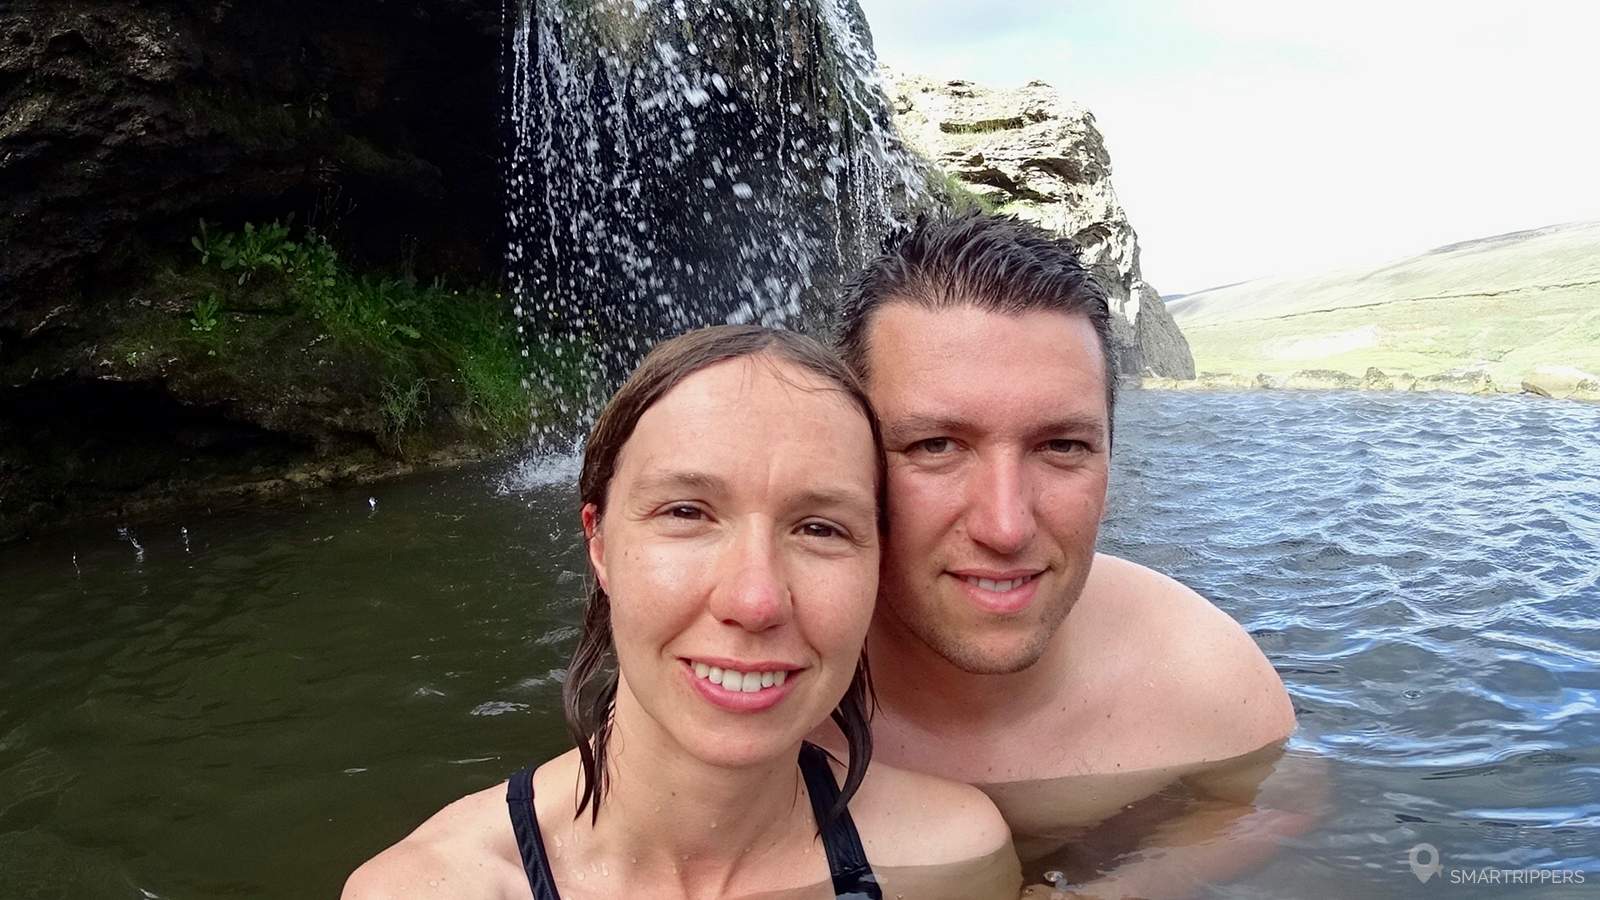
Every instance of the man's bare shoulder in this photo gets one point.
(1201, 674)
(910, 819)
(460, 851)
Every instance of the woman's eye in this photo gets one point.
(934, 445)
(685, 512)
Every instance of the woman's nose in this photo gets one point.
(751, 590)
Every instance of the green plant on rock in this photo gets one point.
(248, 251)
(962, 197)
(381, 309)
(205, 317)
(203, 243)
(402, 404)
(313, 270)
(414, 335)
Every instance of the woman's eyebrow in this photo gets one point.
(674, 479)
(853, 500)
(668, 480)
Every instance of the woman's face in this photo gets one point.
(740, 545)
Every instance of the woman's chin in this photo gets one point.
(742, 747)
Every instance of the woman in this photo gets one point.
(731, 503)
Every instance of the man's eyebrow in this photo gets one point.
(1091, 426)
(906, 426)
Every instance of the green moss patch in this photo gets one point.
(274, 324)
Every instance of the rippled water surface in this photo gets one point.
(249, 705)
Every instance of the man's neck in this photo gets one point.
(918, 686)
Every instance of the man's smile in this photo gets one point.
(993, 580)
(999, 592)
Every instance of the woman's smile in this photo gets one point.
(759, 687)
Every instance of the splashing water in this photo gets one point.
(676, 165)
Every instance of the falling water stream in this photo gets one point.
(684, 164)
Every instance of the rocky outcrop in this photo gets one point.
(124, 124)
(1029, 152)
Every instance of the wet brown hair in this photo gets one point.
(589, 692)
(990, 262)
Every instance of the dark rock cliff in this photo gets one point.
(122, 124)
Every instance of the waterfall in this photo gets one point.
(672, 165)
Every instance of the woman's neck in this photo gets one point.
(669, 817)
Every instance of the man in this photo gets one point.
(1005, 651)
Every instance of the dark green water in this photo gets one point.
(250, 705)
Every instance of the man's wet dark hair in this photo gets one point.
(981, 260)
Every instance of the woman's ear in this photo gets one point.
(596, 543)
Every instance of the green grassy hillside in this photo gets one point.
(1520, 307)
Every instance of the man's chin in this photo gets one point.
(990, 654)
(1009, 663)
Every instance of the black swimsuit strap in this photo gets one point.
(847, 859)
(519, 797)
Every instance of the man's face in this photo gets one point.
(998, 443)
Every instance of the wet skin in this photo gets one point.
(740, 531)
(1005, 651)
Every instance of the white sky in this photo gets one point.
(1265, 137)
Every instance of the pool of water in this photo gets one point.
(249, 704)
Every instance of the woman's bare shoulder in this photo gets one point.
(465, 849)
(910, 819)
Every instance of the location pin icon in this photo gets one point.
(1424, 859)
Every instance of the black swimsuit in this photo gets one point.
(847, 861)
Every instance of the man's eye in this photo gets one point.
(684, 511)
(1065, 445)
(934, 445)
(820, 529)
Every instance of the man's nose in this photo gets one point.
(752, 591)
(1000, 513)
